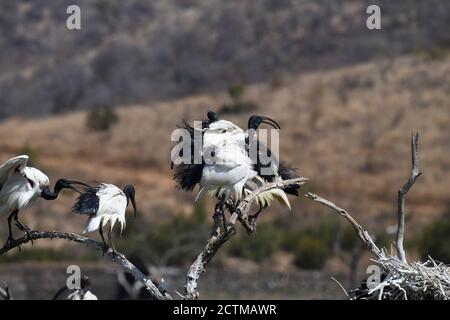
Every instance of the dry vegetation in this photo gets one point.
(346, 129)
(137, 50)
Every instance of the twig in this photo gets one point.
(340, 285)
(415, 173)
(362, 233)
(219, 236)
(242, 210)
(117, 257)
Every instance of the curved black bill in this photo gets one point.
(271, 122)
(68, 184)
(133, 202)
(255, 121)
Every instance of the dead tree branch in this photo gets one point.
(415, 173)
(222, 232)
(402, 280)
(118, 257)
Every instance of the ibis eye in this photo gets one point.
(31, 183)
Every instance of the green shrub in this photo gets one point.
(312, 245)
(238, 103)
(236, 91)
(48, 255)
(101, 119)
(238, 107)
(434, 241)
(258, 247)
(311, 252)
(349, 239)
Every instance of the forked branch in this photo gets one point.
(222, 231)
(415, 173)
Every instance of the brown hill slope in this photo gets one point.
(346, 129)
(136, 51)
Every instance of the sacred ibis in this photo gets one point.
(20, 186)
(224, 168)
(268, 167)
(104, 203)
(234, 167)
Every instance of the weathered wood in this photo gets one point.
(415, 173)
(222, 232)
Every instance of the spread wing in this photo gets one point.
(15, 164)
(187, 176)
(88, 202)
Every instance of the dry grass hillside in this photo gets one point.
(136, 51)
(347, 129)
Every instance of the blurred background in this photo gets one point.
(99, 105)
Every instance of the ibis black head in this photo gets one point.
(130, 193)
(60, 184)
(255, 121)
(212, 116)
(85, 282)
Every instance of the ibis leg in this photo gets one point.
(105, 246)
(22, 226)
(111, 241)
(10, 237)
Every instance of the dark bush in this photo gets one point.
(434, 241)
(314, 244)
(238, 107)
(236, 91)
(311, 252)
(258, 247)
(238, 104)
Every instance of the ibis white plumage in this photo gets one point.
(230, 167)
(233, 171)
(104, 204)
(20, 186)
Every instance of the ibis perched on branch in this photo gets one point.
(20, 186)
(104, 204)
(235, 169)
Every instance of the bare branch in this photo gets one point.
(362, 233)
(242, 210)
(415, 173)
(219, 236)
(118, 257)
(222, 232)
(340, 285)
